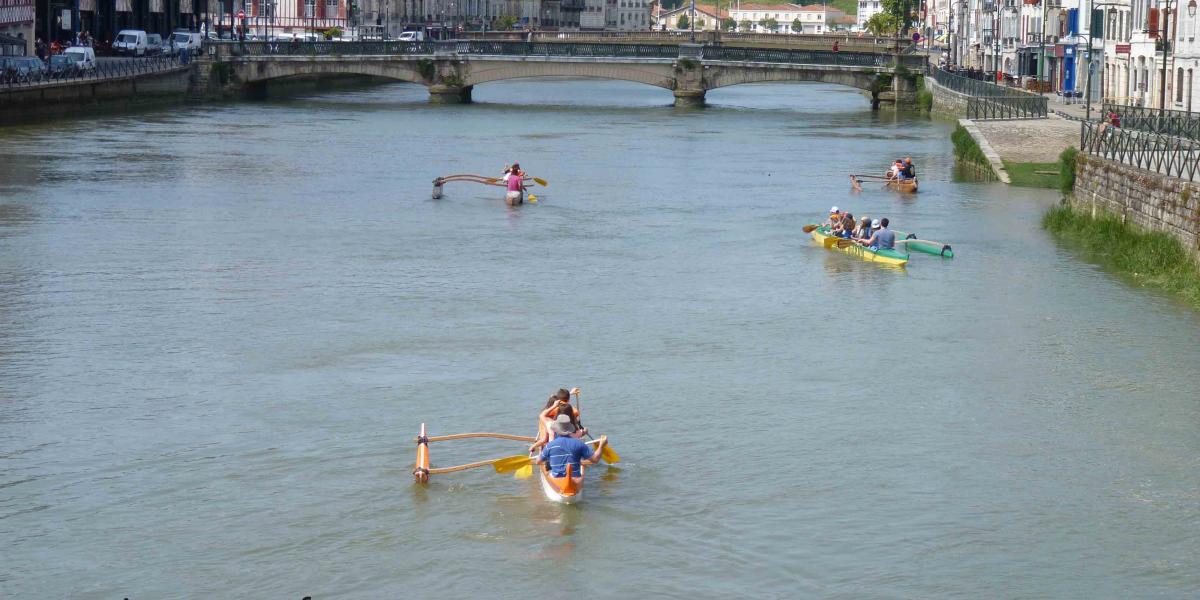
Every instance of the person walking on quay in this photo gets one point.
(39, 47)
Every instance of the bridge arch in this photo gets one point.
(725, 76)
(263, 71)
(656, 74)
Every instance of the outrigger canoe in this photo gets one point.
(891, 257)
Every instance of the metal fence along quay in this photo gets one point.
(113, 70)
(1006, 107)
(1164, 154)
(1169, 122)
(990, 101)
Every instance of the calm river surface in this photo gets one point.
(221, 326)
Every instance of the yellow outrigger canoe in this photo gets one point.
(822, 236)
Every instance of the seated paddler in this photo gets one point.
(558, 404)
(567, 449)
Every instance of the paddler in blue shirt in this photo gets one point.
(567, 449)
(883, 238)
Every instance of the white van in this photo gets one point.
(131, 42)
(412, 36)
(183, 41)
(83, 56)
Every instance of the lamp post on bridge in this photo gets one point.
(692, 22)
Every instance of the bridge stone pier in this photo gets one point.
(451, 69)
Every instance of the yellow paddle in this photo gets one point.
(540, 181)
(533, 199)
(509, 464)
(524, 472)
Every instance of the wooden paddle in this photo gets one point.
(809, 228)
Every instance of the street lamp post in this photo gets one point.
(1165, 38)
(692, 22)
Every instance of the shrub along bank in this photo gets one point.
(967, 150)
(1150, 259)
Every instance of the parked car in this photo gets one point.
(22, 69)
(412, 36)
(84, 57)
(183, 40)
(131, 42)
(154, 44)
(62, 66)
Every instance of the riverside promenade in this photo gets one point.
(1008, 124)
(1022, 140)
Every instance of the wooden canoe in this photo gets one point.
(904, 186)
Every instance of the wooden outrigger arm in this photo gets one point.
(422, 469)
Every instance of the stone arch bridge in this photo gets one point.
(450, 69)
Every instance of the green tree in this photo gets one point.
(745, 25)
(699, 23)
(797, 26)
(728, 24)
(682, 23)
(882, 23)
(902, 11)
(772, 25)
(506, 22)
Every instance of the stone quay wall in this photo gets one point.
(23, 104)
(1149, 200)
(946, 101)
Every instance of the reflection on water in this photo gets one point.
(221, 325)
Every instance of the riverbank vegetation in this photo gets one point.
(924, 96)
(967, 150)
(1150, 259)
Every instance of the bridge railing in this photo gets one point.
(573, 49)
(808, 57)
(298, 48)
(809, 41)
(219, 50)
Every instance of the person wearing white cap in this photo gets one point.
(883, 238)
(835, 216)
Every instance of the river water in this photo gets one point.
(221, 326)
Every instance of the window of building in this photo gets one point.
(310, 8)
(1179, 85)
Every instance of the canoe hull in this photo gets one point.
(888, 257)
(904, 186)
(553, 488)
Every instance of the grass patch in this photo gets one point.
(1066, 170)
(1026, 174)
(966, 149)
(1150, 259)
